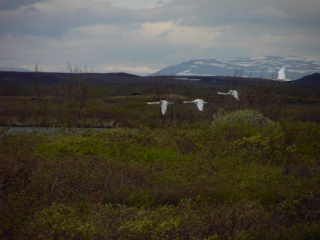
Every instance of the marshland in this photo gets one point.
(247, 169)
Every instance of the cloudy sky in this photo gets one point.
(143, 36)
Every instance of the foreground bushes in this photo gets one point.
(238, 181)
(189, 219)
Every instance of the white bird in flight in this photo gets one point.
(199, 103)
(164, 104)
(282, 74)
(233, 93)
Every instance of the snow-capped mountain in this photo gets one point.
(266, 67)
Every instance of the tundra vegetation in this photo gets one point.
(247, 169)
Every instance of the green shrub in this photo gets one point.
(229, 126)
(250, 118)
(60, 222)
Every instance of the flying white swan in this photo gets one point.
(233, 93)
(199, 103)
(282, 74)
(164, 104)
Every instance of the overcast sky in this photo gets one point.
(143, 36)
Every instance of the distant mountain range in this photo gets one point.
(266, 67)
(14, 69)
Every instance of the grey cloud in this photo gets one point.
(81, 12)
(268, 15)
(188, 13)
(248, 15)
(34, 22)
(15, 4)
(31, 10)
(215, 13)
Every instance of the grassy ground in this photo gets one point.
(238, 176)
(247, 169)
(133, 112)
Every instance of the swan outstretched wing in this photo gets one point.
(200, 104)
(281, 73)
(164, 105)
(164, 108)
(235, 94)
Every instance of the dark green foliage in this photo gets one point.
(249, 181)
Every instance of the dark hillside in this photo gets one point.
(49, 79)
(102, 79)
(309, 80)
(27, 78)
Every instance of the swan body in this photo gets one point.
(233, 93)
(282, 74)
(199, 103)
(164, 104)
